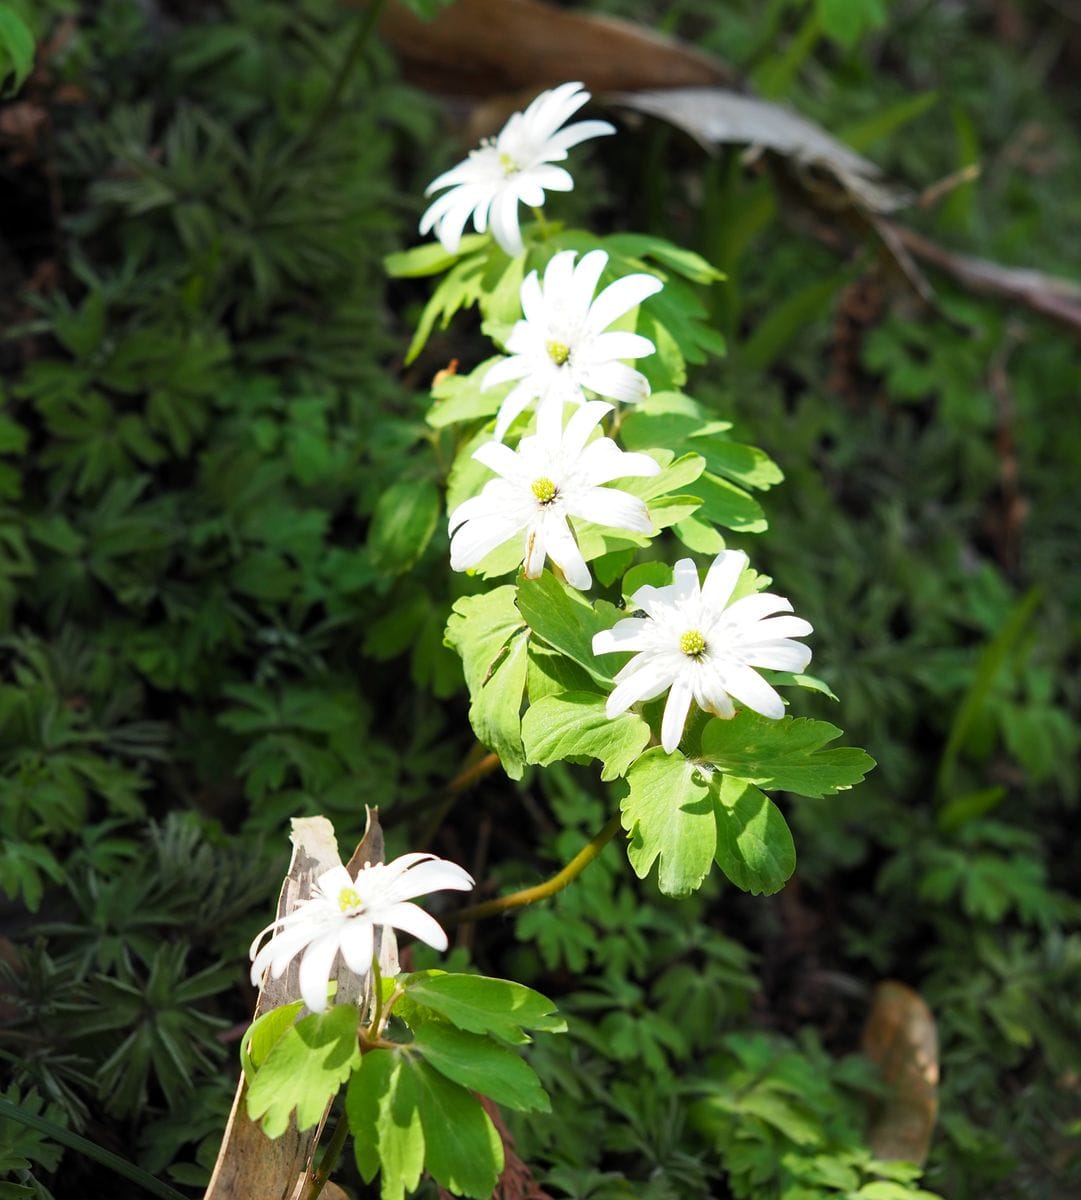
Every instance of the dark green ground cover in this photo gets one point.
(207, 624)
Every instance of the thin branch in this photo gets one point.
(541, 891)
(1057, 298)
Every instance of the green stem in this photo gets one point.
(377, 988)
(330, 1159)
(84, 1146)
(352, 56)
(545, 231)
(541, 891)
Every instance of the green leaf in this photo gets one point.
(381, 1106)
(304, 1070)
(653, 574)
(479, 1004)
(550, 673)
(403, 523)
(478, 1063)
(699, 536)
(846, 20)
(785, 754)
(574, 723)
(430, 258)
(561, 616)
(725, 504)
(462, 1149)
(754, 844)
(642, 245)
(668, 812)
(479, 628)
(263, 1035)
(460, 288)
(873, 128)
(496, 710)
(16, 51)
(488, 632)
(459, 398)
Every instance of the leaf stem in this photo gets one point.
(330, 1159)
(541, 891)
(544, 229)
(377, 990)
(92, 1150)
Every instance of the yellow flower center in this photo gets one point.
(348, 898)
(558, 352)
(510, 167)
(544, 490)
(692, 643)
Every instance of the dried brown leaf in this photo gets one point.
(901, 1039)
(714, 116)
(479, 47)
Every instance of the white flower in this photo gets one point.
(514, 167)
(562, 347)
(552, 475)
(703, 648)
(342, 913)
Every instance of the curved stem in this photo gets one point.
(541, 891)
(541, 222)
(330, 1159)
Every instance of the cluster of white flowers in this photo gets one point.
(692, 641)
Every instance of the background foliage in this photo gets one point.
(212, 618)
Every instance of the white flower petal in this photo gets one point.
(315, 968)
(435, 875)
(625, 635)
(411, 919)
(645, 679)
(755, 607)
(676, 709)
(619, 298)
(582, 423)
(580, 131)
(532, 299)
(558, 277)
(781, 655)
(587, 274)
(552, 178)
(516, 402)
(749, 688)
(602, 461)
(504, 370)
(722, 577)
(357, 945)
(478, 537)
(535, 552)
(711, 696)
(504, 221)
(617, 344)
(772, 628)
(685, 586)
(615, 379)
(613, 508)
(563, 551)
(498, 458)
